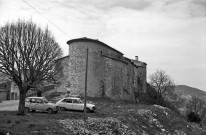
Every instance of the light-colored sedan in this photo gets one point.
(40, 104)
(73, 103)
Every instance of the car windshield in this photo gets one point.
(80, 101)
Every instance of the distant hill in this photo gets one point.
(190, 91)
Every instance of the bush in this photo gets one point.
(196, 110)
(152, 97)
(193, 117)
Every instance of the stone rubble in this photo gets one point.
(97, 126)
(143, 118)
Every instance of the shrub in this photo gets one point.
(152, 97)
(8, 121)
(196, 110)
(193, 117)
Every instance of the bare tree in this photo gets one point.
(162, 83)
(27, 56)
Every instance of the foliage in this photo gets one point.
(161, 82)
(196, 110)
(3, 77)
(152, 97)
(193, 117)
(160, 91)
(27, 56)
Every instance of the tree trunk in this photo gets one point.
(21, 109)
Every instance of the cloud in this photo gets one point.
(199, 8)
(189, 7)
(105, 5)
(129, 4)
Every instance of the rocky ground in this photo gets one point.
(150, 120)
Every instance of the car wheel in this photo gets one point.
(93, 109)
(62, 108)
(55, 111)
(27, 110)
(50, 111)
(87, 110)
(33, 110)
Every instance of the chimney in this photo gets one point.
(136, 58)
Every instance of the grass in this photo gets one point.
(34, 123)
(43, 124)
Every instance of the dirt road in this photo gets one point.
(11, 105)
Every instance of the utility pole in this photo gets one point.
(85, 93)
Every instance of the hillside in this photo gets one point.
(110, 118)
(190, 91)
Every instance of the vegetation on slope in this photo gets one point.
(111, 117)
(190, 91)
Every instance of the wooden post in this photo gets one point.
(85, 93)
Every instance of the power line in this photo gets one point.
(45, 18)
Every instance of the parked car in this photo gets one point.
(74, 103)
(40, 104)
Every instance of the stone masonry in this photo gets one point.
(110, 74)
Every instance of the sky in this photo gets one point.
(166, 34)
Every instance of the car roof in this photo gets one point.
(36, 97)
(71, 98)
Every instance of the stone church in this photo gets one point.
(109, 73)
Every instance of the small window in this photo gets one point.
(68, 101)
(32, 100)
(75, 101)
(64, 100)
(38, 101)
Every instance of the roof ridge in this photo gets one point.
(92, 40)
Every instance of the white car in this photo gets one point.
(40, 104)
(74, 103)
